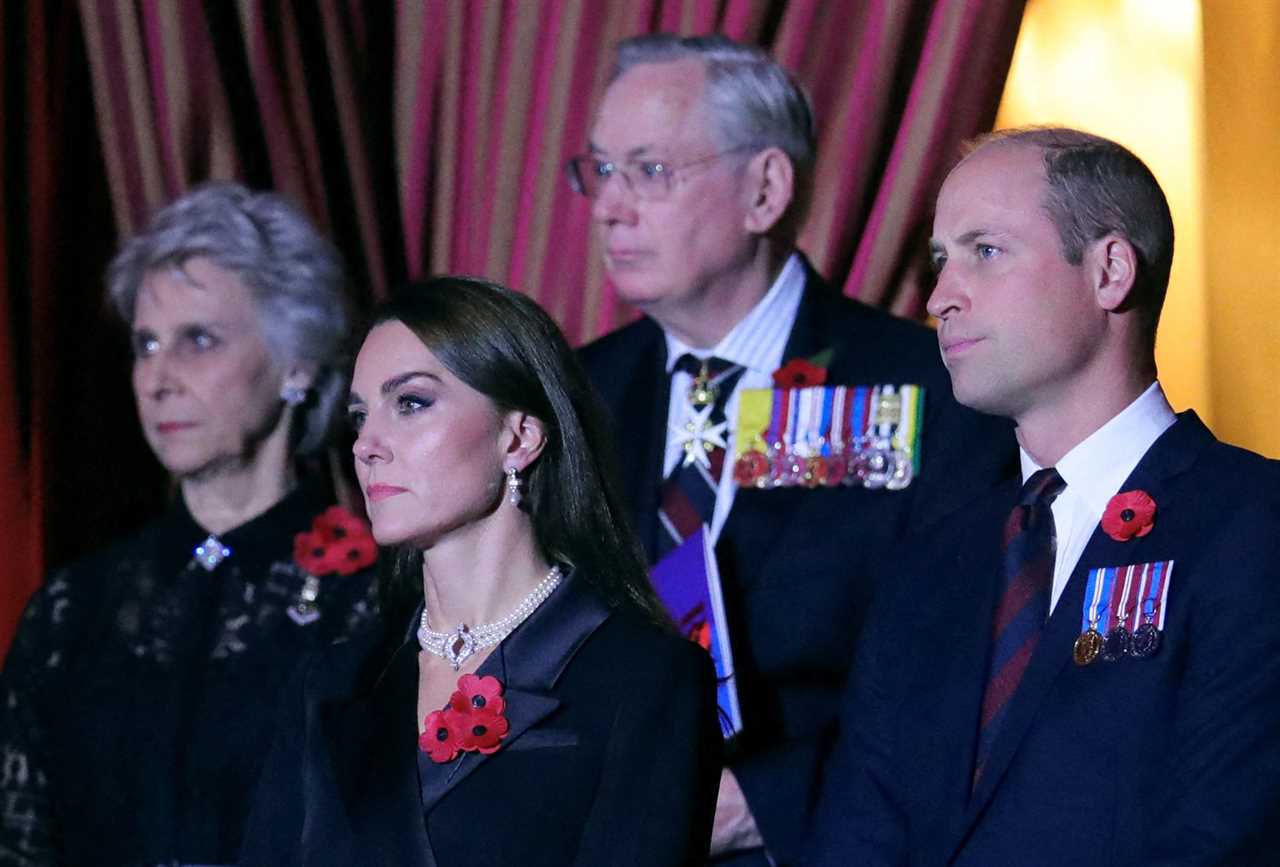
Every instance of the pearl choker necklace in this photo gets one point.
(458, 645)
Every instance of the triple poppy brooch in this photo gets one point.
(1129, 514)
(474, 721)
(337, 543)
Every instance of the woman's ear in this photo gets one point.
(299, 376)
(525, 437)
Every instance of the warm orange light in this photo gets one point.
(1131, 70)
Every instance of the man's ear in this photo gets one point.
(770, 181)
(525, 436)
(1113, 268)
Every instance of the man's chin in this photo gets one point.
(980, 397)
(637, 292)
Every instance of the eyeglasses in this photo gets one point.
(650, 180)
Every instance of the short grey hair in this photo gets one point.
(754, 102)
(296, 276)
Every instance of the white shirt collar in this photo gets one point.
(758, 341)
(1095, 468)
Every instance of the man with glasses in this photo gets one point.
(699, 167)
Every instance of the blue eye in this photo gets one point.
(603, 170)
(652, 170)
(986, 251)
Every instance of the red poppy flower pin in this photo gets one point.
(1129, 514)
(799, 373)
(474, 721)
(338, 542)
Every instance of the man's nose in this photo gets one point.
(615, 202)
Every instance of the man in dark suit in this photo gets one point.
(700, 163)
(1083, 671)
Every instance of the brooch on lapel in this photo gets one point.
(806, 433)
(802, 372)
(473, 721)
(1129, 514)
(1124, 608)
(337, 543)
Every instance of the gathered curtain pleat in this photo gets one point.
(428, 136)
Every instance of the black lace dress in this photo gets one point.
(139, 696)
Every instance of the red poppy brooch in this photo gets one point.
(799, 373)
(1129, 514)
(337, 543)
(474, 721)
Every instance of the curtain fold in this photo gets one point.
(425, 136)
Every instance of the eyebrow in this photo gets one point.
(638, 151)
(214, 324)
(395, 382)
(936, 246)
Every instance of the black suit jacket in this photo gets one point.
(796, 563)
(1170, 760)
(612, 757)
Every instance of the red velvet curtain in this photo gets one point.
(426, 136)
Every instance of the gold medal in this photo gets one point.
(815, 472)
(1087, 647)
(703, 392)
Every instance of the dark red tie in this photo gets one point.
(1030, 544)
(688, 496)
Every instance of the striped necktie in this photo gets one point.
(688, 495)
(1030, 544)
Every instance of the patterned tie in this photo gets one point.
(688, 496)
(1030, 543)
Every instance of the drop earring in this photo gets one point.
(293, 395)
(514, 494)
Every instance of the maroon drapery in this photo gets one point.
(426, 136)
(73, 469)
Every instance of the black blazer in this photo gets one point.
(797, 563)
(612, 756)
(1170, 760)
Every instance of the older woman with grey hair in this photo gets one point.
(138, 696)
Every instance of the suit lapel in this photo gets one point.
(642, 437)
(965, 641)
(757, 517)
(529, 662)
(1171, 455)
(372, 746)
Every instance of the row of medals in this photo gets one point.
(869, 461)
(1118, 643)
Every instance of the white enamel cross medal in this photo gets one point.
(698, 436)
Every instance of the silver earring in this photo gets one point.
(513, 487)
(293, 395)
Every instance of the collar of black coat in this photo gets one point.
(537, 652)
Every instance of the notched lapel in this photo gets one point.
(525, 709)
(1171, 455)
(641, 439)
(372, 743)
(529, 663)
(966, 642)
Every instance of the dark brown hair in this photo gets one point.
(506, 347)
